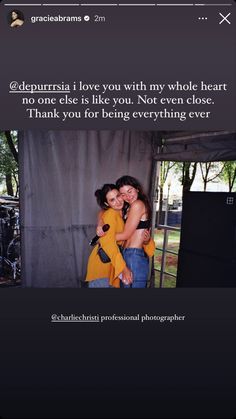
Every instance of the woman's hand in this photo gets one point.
(146, 235)
(99, 231)
(127, 276)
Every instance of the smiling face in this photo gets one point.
(14, 15)
(129, 193)
(114, 200)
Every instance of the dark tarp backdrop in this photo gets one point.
(195, 146)
(59, 173)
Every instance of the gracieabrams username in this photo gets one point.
(57, 19)
(85, 318)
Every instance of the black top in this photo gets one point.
(143, 224)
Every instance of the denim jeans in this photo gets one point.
(138, 262)
(99, 283)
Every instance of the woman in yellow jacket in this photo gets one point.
(100, 274)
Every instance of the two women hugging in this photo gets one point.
(121, 258)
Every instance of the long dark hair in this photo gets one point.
(101, 194)
(131, 181)
(19, 15)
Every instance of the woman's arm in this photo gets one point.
(135, 213)
(100, 223)
(17, 22)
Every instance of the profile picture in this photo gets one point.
(16, 18)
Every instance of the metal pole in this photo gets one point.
(163, 259)
(167, 205)
(155, 180)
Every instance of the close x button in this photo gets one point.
(224, 19)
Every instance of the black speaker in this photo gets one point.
(207, 254)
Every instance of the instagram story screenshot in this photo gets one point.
(118, 209)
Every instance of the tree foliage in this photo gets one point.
(229, 174)
(210, 171)
(188, 172)
(165, 168)
(9, 161)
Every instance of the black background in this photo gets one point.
(152, 44)
(183, 369)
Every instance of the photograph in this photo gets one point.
(117, 209)
(16, 18)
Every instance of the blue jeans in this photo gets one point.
(99, 283)
(138, 262)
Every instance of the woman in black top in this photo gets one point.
(137, 219)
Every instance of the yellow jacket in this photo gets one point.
(96, 268)
(150, 248)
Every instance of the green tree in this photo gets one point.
(9, 161)
(210, 171)
(165, 168)
(188, 172)
(229, 174)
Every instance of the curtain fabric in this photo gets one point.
(59, 173)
